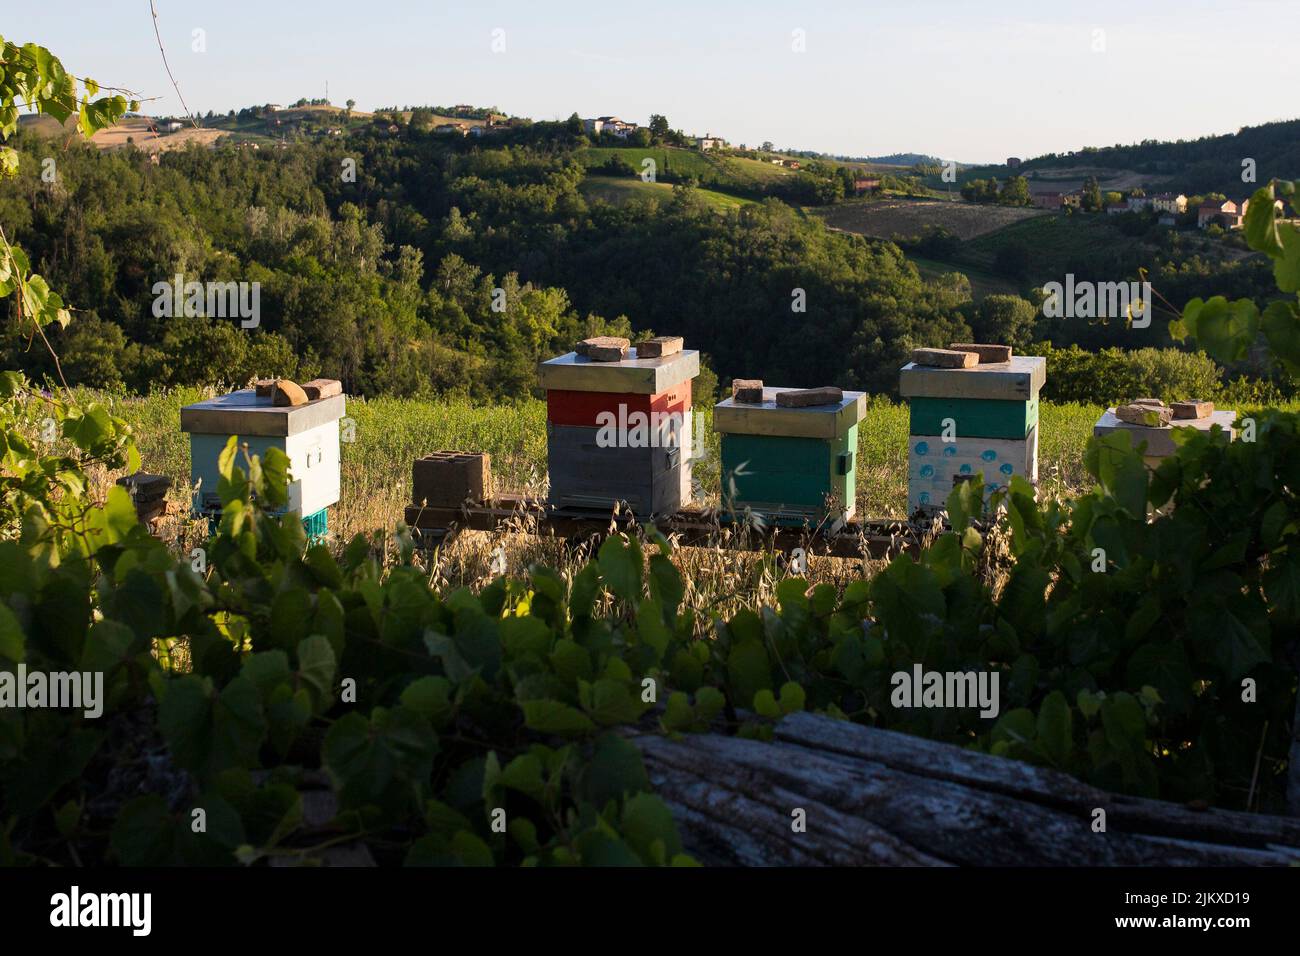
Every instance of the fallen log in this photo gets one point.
(878, 797)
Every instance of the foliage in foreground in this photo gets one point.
(434, 713)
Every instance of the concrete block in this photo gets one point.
(944, 358)
(448, 479)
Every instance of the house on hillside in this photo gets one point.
(609, 125)
(444, 129)
(1072, 200)
(1013, 162)
(863, 185)
(1168, 202)
(1116, 208)
(1245, 203)
(1138, 203)
(1223, 212)
(778, 162)
(705, 143)
(1168, 219)
(1054, 201)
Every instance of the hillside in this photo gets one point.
(1206, 164)
(618, 190)
(132, 131)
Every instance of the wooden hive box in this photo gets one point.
(1160, 441)
(934, 466)
(791, 465)
(619, 431)
(308, 434)
(970, 421)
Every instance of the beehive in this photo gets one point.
(619, 431)
(968, 421)
(308, 434)
(1160, 441)
(791, 465)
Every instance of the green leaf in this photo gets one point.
(555, 717)
(316, 669)
(621, 566)
(1055, 734)
(12, 642)
(1260, 227)
(748, 670)
(1281, 326)
(615, 769)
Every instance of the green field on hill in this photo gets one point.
(619, 189)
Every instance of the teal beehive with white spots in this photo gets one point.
(967, 424)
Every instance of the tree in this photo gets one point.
(350, 105)
(421, 119)
(659, 127)
(1015, 192)
(1005, 319)
(1091, 200)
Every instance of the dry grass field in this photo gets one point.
(890, 217)
(132, 131)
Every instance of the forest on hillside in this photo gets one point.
(1203, 165)
(413, 265)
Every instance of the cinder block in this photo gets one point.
(319, 388)
(603, 348)
(448, 479)
(1192, 409)
(944, 358)
(1152, 416)
(660, 346)
(988, 354)
(747, 390)
(810, 397)
(288, 393)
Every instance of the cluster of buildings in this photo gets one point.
(1169, 206)
(1225, 213)
(471, 129)
(609, 126)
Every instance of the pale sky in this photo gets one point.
(960, 80)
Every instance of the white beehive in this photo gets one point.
(307, 434)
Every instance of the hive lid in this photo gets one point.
(243, 413)
(1017, 380)
(1160, 441)
(641, 376)
(814, 421)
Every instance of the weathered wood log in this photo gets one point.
(877, 797)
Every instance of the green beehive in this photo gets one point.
(791, 465)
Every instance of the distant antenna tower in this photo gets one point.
(327, 92)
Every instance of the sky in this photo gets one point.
(974, 82)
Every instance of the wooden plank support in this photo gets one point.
(693, 527)
(879, 797)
